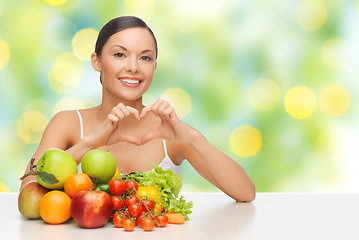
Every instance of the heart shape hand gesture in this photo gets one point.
(170, 128)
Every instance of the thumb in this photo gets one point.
(124, 138)
(149, 136)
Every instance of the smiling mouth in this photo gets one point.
(130, 82)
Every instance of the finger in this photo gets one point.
(145, 110)
(168, 112)
(162, 107)
(117, 111)
(133, 111)
(149, 136)
(113, 119)
(124, 109)
(156, 105)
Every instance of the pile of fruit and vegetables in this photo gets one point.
(100, 193)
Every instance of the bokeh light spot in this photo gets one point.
(334, 100)
(65, 74)
(180, 100)
(145, 9)
(245, 141)
(10, 141)
(311, 14)
(336, 53)
(39, 104)
(4, 53)
(300, 102)
(4, 188)
(55, 2)
(35, 120)
(31, 126)
(264, 94)
(68, 103)
(84, 42)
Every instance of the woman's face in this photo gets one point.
(127, 63)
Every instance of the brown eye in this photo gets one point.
(146, 58)
(119, 55)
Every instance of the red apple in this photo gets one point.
(91, 209)
(29, 199)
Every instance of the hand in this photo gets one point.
(109, 132)
(171, 127)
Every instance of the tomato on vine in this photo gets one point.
(147, 224)
(135, 210)
(117, 202)
(117, 186)
(130, 186)
(162, 220)
(128, 224)
(131, 200)
(117, 218)
(147, 205)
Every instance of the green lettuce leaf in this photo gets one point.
(169, 186)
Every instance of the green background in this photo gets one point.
(273, 84)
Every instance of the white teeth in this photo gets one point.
(130, 81)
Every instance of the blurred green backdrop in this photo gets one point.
(274, 84)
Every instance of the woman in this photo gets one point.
(137, 135)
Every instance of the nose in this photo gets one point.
(132, 65)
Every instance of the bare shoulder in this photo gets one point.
(65, 125)
(65, 119)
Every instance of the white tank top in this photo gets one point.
(165, 164)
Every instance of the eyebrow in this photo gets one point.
(144, 51)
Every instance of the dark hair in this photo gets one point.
(118, 24)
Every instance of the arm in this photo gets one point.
(218, 168)
(209, 162)
(60, 132)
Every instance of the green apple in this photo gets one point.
(100, 165)
(58, 163)
(29, 199)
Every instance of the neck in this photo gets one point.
(108, 103)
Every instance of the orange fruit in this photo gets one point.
(55, 207)
(77, 182)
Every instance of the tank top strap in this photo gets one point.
(81, 124)
(164, 147)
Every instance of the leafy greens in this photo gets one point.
(169, 186)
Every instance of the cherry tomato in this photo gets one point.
(140, 218)
(117, 187)
(128, 224)
(135, 210)
(131, 200)
(149, 204)
(117, 202)
(117, 220)
(129, 187)
(162, 220)
(147, 224)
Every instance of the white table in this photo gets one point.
(215, 216)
